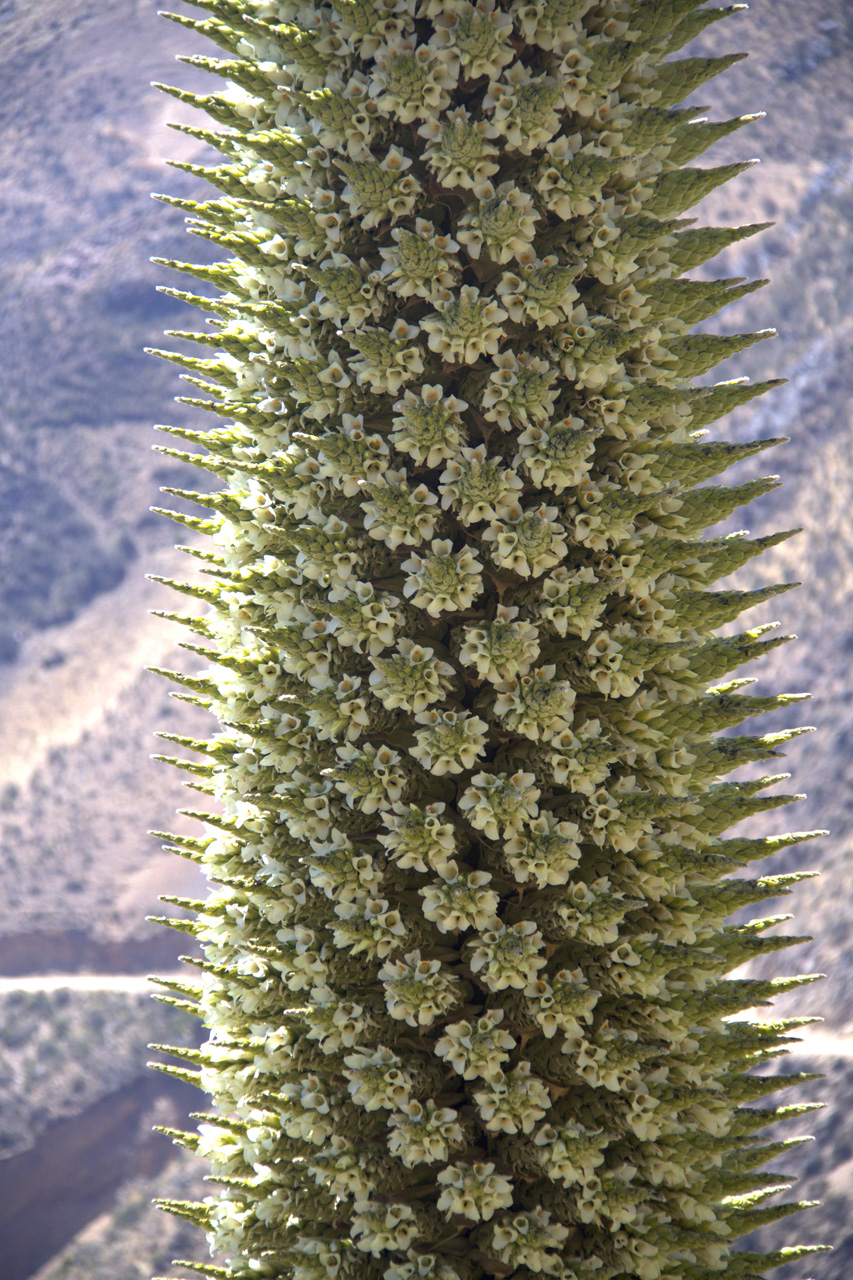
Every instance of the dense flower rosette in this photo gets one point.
(465, 951)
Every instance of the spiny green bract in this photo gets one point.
(466, 945)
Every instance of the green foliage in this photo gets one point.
(465, 954)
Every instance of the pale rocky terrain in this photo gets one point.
(82, 141)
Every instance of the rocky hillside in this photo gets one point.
(82, 141)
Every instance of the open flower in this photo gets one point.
(503, 222)
(418, 991)
(513, 1103)
(474, 1191)
(428, 425)
(502, 648)
(500, 804)
(444, 580)
(477, 1048)
(460, 901)
(450, 742)
(508, 957)
(464, 325)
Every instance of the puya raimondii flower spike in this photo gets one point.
(465, 952)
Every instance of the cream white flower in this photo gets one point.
(412, 678)
(562, 1003)
(508, 957)
(451, 741)
(350, 456)
(460, 901)
(502, 648)
(570, 1152)
(418, 991)
(500, 804)
(477, 1048)
(423, 1133)
(464, 325)
(444, 580)
(428, 425)
(377, 190)
(368, 926)
(545, 851)
(513, 1103)
(476, 487)
(474, 1191)
(541, 291)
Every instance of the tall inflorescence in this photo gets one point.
(465, 952)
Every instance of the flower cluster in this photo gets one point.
(418, 991)
(443, 580)
(501, 649)
(398, 514)
(503, 223)
(428, 426)
(423, 1134)
(460, 901)
(451, 742)
(473, 1191)
(530, 1240)
(417, 838)
(459, 149)
(513, 1103)
(477, 1049)
(508, 956)
(544, 851)
(412, 678)
(477, 487)
(464, 325)
(464, 950)
(499, 804)
(526, 541)
(535, 705)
